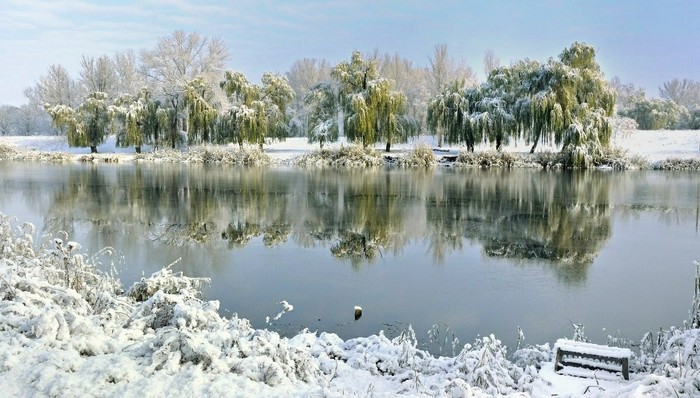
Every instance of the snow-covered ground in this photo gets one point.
(66, 330)
(653, 145)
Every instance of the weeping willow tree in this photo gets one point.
(372, 109)
(88, 124)
(202, 113)
(323, 107)
(257, 112)
(353, 78)
(137, 120)
(565, 101)
(126, 122)
(449, 115)
(393, 122)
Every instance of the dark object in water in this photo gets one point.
(358, 312)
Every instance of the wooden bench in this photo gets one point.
(575, 358)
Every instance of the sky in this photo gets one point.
(642, 42)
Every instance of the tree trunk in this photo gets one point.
(532, 150)
(93, 148)
(138, 148)
(537, 139)
(388, 146)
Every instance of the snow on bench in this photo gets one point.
(576, 358)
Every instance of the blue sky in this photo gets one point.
(642, 42)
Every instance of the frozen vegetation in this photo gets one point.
(70, 330)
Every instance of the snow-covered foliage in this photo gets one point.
(488, 159)
(421, 156)
(565, 101)
(69, 329)
(678, 164)
(344, 156)
(247, 155)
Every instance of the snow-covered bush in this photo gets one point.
(7, 152)
(421, 156)
(487, 159)
(247, 155)
(619, 159)
(550, 159)
(348, 156)
(678, 165)
(167, 282)
(485, 365)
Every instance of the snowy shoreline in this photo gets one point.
(70, 330)
(654, 146)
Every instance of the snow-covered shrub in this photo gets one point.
(579, 334)
(55, 157)
(166, 281)
(485, 365)
(550, 160)
(421, 156)
(487, 159)
(98, 158)
(7, 152)
(247, 155)
(619, 159)
(678, 165)
(348, 156)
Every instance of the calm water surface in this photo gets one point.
(476, 251)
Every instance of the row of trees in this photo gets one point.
(677, 108)
(179, 92)
(565, 101)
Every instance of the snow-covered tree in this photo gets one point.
(684, 92)
(176, 60)
(625, 94)
(87, 125)
(655, 113)
(303, 76)
(448, 116)
(56, 87)
(256, 113)
(201, 109)
(445, 71)
(98, 75)
(491, 62)
(372, 109)
(410, 80)
(129, 80)
(323, 113)
(138, 118)
(8, 119)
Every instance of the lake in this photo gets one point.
(473, 251)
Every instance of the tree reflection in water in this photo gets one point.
(560, 217)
